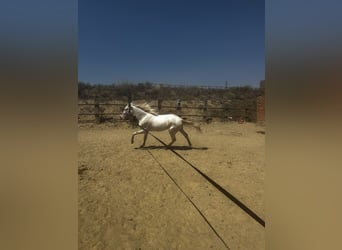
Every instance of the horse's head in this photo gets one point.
(127, 111)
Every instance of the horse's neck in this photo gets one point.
(139, 114)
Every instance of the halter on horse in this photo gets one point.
(153, 122)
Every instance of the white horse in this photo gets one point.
(151, 121)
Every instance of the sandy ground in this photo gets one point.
(126, 201)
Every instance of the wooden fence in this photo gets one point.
(102, 112)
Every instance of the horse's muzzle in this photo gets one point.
(123, 117)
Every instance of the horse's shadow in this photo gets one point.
(172, 147)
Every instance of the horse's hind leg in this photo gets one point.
(186, 136)
(172, 132)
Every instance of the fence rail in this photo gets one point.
(204, 112)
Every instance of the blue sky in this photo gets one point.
(176, 42)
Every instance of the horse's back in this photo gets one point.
(171, 118)
(163, 122)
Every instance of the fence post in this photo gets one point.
(97, 111)
(226, 114)
(159, 104)
(129, 97)
(205, 109)
(179, 107)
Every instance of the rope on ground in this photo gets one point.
(216, 185)
(189, 199)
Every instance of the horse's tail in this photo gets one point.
(196, 126)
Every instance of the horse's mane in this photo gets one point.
(146, 107)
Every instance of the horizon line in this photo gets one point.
(223, 85)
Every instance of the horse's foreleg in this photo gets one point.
(145, 137)
(186, 136)
(136, 133)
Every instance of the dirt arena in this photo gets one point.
(126, 201)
